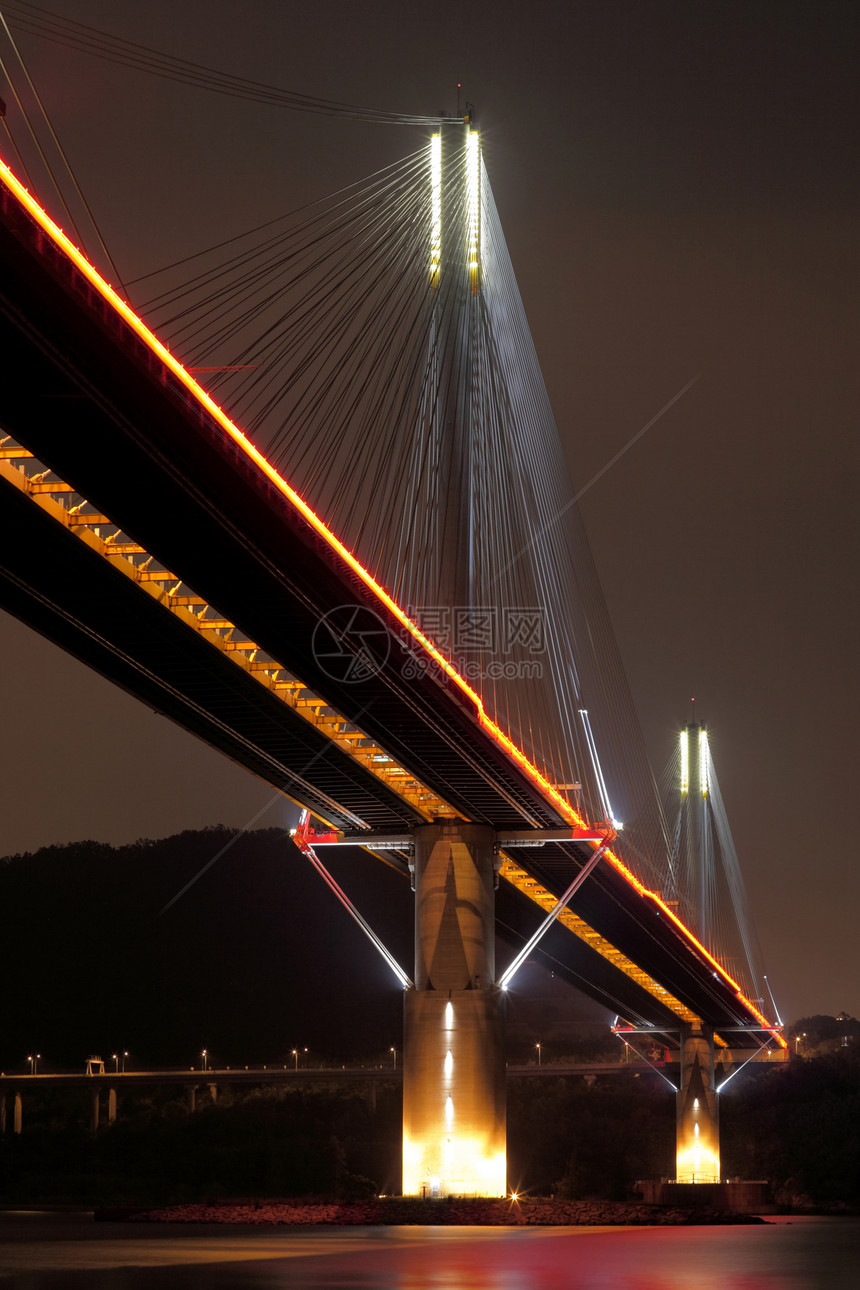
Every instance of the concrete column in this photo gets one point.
(16, 1114)
(190, 1099)
(111, 1105)
(213, 1093)
(453, 1052)
(2, 1113)
(698, 1123)
(95, 1095)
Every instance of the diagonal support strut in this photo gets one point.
(553, 914)
(301, 837)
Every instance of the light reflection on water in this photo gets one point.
(70, 1252)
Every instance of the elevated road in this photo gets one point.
(281, 1076)
(287, 1076)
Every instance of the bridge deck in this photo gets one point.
(111, 414)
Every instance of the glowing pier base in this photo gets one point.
(453, 1052)
(698, 1125)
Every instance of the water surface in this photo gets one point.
(41, 1251)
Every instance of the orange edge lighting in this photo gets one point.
(96, 280)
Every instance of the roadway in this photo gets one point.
(282, 1076)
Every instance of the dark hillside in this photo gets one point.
(256, 958)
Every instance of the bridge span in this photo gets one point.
(144, 533)
(118, 428)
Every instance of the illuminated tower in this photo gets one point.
(454, 1065)
(455, 267)
(694, 838)
(698, 1130)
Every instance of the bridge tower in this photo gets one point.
(697, 1156)
(694, 842)
(453, 1058)
(455, 271)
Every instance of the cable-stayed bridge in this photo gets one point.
(377, 596)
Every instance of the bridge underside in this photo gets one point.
(59, 586)
(99, 407)
(55, 583)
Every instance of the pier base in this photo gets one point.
(734, 1197)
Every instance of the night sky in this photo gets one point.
(678, 187)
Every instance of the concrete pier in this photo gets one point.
(698, 1122)
(454, 1066)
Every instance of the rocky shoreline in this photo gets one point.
(396, 1211)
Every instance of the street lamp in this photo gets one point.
(124, 1055)
(537, 1046)
(34, 1063)
(115, 1057)
(205, 1056)
(296, 1055)
(394, 1052)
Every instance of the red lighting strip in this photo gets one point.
(139, 327)
(664, 908)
